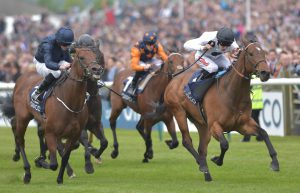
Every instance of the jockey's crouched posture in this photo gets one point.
(51, 57)
(142, 56)
(216, 44)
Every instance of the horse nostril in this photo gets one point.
(265, 74)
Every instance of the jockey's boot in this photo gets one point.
(134, 84)
(36, 95)
(204, 74)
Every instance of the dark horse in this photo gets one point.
(152, 94)
(66, 112)
(226, 106)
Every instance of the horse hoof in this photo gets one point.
(207, 177)
(114, 154)
(38, 161)
(73, 175)
(26, 178)
(89, 169)
(16, 157)
(53, 167)
(60, 181)
(217, 160)
(70, 173)
(145, 160)
(171, 144)
(275, 166)
(93, 151)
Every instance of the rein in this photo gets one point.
(188, 67)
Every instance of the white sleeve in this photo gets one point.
(194, 44)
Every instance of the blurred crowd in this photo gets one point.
(120, 26)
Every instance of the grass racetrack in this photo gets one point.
(245, 169)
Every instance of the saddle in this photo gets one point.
(40, 106)
(196, 88)
(128, 93)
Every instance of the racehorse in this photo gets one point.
(152, 94)
(94, 124)
(66, 112)
(226, 106)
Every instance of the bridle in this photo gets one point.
(86, 75)
(255, 64)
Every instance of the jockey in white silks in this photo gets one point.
(215, 44)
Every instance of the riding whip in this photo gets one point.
(211, 43)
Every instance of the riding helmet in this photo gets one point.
(225, 36)
(64, 36)
(150, 38)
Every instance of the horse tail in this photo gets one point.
(7, 108)
(159, 108)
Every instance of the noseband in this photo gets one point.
(84, 67)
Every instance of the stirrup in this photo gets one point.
(36, 96)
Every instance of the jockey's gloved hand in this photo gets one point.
(100, 83)
(211, 43)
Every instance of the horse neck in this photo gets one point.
(160, 81)
(92, 87)
(235, 86)
(73, 90)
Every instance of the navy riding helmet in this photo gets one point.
(150, 38)
(64, 36)
(225, 36)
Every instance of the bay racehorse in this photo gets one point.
(94, 124)
(66, 112)
(152, 94)
(226, 106)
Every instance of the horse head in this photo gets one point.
(255, 57)
(173, 63)
(87, 53)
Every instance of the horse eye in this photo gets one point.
(250, 54)
(81, 58)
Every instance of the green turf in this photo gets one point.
(246, 168)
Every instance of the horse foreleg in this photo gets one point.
(140, 128)
(204, 136)
(20, 132)
(112, 120)
(99, 133)
(272, 152)
(52, 146)
(188, 144)
(171, 129)
(60, 149)
(65, 160)
(148, 141)
(218, 134)
(87, 156)
(16, 156)
(39, 161)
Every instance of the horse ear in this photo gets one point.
(99, 44)
(72, 48)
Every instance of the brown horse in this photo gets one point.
(226, 106)
(152, 94)
(66, 111)
(94, 124)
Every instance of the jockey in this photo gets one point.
(51, 57)
(215, 44)
(142, 56)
